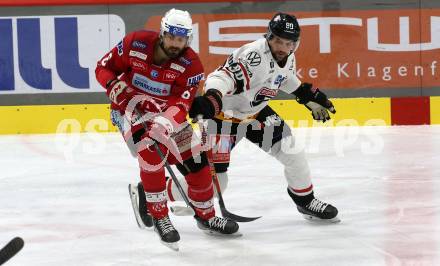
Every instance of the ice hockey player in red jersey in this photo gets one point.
(157, 75)
(236, 99)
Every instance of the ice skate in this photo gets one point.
(167, 233)
(138, 202)
(319, 211)
(218, 226)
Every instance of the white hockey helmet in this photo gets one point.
(177, 22)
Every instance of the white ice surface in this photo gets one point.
(71, 205)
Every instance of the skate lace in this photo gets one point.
(165, 225)
(317, 205)
(218, 222)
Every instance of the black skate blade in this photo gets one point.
(319, 220)
(238, 218)
(134, 197)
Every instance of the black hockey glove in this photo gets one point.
(315, 100)
(208, 105)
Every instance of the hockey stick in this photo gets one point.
(221, 202)
(12, 248)
(177, 210)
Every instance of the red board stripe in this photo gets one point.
(103, 2)
(410, 111)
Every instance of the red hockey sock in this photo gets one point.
(155, 193)
(201, 192)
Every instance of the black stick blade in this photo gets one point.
(12, 248)
(238, 218)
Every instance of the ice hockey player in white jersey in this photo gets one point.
(235, 104)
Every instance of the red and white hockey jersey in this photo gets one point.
(172, 84)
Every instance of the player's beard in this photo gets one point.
(172, 52)
(280, 56)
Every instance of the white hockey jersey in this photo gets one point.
(249, 78)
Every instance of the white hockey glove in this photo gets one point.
(315, 100)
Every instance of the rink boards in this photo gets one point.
(38, 119)
(379, 60)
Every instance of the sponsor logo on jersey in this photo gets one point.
(120, 47)
(263, 95)
(153, 87)
(253, 58)
(194, 80)
(292, 64)
(185, 95)
(177, 67)
(170, 75)
(138, 55)
(185, 61)
(239, 72)
(268, 92)
(246, 66)
(139, 65)
(279, 79)
(139, 44)
(154, 74)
